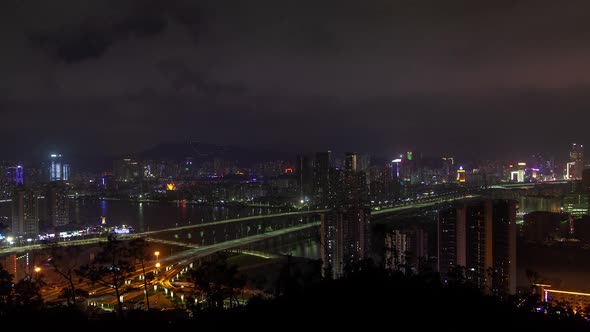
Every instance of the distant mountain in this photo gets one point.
(201, 151)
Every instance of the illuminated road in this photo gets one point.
(376, 211)
(190, 255)
(419, 205)
(235, 220)
(176, 264)
(20, 249)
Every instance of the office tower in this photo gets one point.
(25, 212)
(188, 168)
(305, 176)
(503, 273)
(461, 175)
(448, 168)
(479, 238)
(396, 168)
(321, 174)
(577, 158)
(58, 170)
(344, 230)
(351, 162)
(127, 170)
(344, 238)
(58, 204)
(451, 241)
(405, 248)
(363, 163)
(15, 175)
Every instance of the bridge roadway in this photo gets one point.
(90, 241)
(421, 205)
(178, 262)
(376, 211)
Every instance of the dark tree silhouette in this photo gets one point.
(218, 281)
(6, 290)
(138, 249)
(64, 261)
(27, 292)
(111, 267)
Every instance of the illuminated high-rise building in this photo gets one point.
(461, 175)
(305, 176)
(15, 175)
(448, 167)
(363, 163)
(58, 204)
(344, 238)
(405, 248)
(478, 239)
(396, 165)
(577, 158)
(345, 228)
(350, 162)
(127, 170)
(25, 212)
(321, 177)
(58, 170)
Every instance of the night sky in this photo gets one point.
(377, 76)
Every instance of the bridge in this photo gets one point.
(241, 231)
(527, 185)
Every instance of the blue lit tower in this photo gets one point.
(15, 175)
(58, 170)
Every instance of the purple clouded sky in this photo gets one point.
(380, 76)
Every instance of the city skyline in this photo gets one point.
(457, 78)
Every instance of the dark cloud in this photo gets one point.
(459, 77)
(91, 39)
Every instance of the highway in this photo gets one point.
(376, 211)
(235, 220)
(172, 266)
(177, 263)
(421, 205)
(25, 248)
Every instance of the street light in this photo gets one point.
(37, 269)
(158, 265)
(157, 253)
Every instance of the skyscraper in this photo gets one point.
(350, 162)
(305, 176)
(25, 212)
(395, 168)
(58, 170)
(363, 163)
(479, 237)
(405, 248)
(15, 175)
(344, 229)
(58, 204)
(321, 174)
(577, 158)
(344, 234)
(127, 170)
